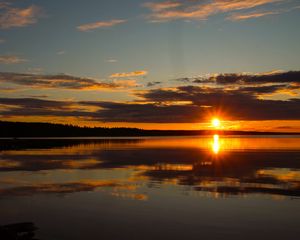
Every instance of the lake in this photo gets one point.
(212, 187)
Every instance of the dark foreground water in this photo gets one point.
(153, 188)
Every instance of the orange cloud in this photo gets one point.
(257, 14)
(238, 17)
(167, 11)
(11, 59)
(161, 6)
(229, 5)
(100, 24)
(19, 17)
(126, 83)
(128, 74)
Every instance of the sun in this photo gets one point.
(215, 122)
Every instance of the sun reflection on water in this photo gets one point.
(216, 144)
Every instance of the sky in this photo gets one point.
(152, 64)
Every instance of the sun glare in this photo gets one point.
(216, 123)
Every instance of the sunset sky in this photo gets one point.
(152, 64)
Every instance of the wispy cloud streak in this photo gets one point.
(193, 10)
(11, 59)
(100, 24)
(129, 74)
(60, 81)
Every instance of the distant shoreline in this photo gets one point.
(19, 130)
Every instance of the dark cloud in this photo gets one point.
(151, 84)
(264, 89)
(234, 103)
(35, 103)
(263, 83)
(263, 78)
(149, 113)
(242, 100)
(193, 80)
(178, 105)
(252, 84)
(62, 81)
(39, 107)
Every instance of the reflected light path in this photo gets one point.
(216, 144)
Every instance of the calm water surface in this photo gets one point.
(153, 188)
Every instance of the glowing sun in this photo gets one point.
(216, 123)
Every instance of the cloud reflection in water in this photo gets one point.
(218, 165)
